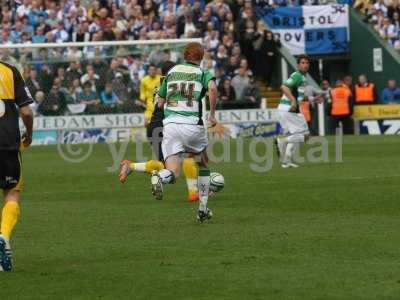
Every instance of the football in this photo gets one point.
(217, 182)
(2, 108)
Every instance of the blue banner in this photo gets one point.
(314, 30)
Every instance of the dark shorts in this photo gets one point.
(10, 170)
(154, 135)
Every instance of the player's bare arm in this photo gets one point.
(27, 117)
(293, 104)
(212, 96)
(318, 99)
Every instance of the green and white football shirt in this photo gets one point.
(183, 88)
(297, 83)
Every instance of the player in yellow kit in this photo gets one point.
(14, 103)
(148, 85)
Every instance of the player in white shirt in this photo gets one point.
(181, 93)
(294, 126)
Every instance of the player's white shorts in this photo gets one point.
(292, 123)
(183, 138)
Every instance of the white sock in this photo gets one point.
(282, 143)
(290, 148)
(167, 176)
(139, 167)
(204, 188)
(293, 142)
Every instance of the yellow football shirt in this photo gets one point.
(147, 88)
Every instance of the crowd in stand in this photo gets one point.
(364, 91)
(239, 49)
(384, 15)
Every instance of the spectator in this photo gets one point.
(74, 53)
(150, 8)
(185, 25)
(92, 77)
(227, 41)
(220, 76)
(265, 53)
(156, 56)
(73, 71)
(348, 82)
(7, 14)
(391, 94)
(103, 18)
(5, 36)
(46, 78)
(77, 7)
(205, 19)
(240, 81)
(114, 69)
(61, 79)
(380, 6)
(245, 65)
(326, 90)
(52, 21)
(44, 22)
(39, 36)
(89, 97)
(222, 58)
(362, 6)
(208, 62)
(121, 87)
(35, 12)
(26, 27)
(364, 91)
(100, 68)
(24, 8)
(226, 93)
(385, 29)
(108, 33)
(135, 91)
(81, 34)
(74, 90)
(183, 7)
(39, 98)
(246, 27)
(340, 108)
(16, 33)
(33, 82)
(196, 10)
(251, 94)
(108, 96)
(166, 8)
(393, 30)
(232, 66)
(218, 5)
(393, 8)
(50, 37)
(156, 32)
(211, 40)
(54, 104)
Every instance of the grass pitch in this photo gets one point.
(323, 231)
